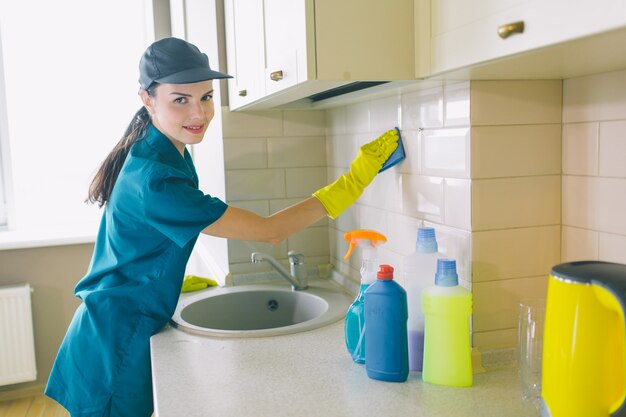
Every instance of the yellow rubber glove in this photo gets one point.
(195, 283)
(339, 195)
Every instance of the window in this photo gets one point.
(70, 87)
(4, 152)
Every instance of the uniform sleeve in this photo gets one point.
(176, 208)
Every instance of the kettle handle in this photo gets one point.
(618, 289)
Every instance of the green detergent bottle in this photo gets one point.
(447, 309)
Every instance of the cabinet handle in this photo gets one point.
(276, 75)
(243, 93)
(509, 29)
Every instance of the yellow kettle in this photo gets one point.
(584, 351)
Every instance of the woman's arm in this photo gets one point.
(330, 201)
(242, 224)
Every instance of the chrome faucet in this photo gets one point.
(298, 275)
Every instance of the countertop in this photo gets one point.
(306, 374)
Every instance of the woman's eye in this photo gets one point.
(180, 100)
(207, 97)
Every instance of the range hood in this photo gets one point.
(312, 94)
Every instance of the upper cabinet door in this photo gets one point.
(310, 46)
(245, 58)
(285, 43)
(466, 34)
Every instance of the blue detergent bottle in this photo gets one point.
(386, 315)
(367, 241)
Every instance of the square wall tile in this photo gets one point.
(423, 197)
(241, 251)
(348, 220)
(612, 160)
(455, 244)
(611, 204)
(303, 151)
(402, 233)
(302, 182)
(516, 150)
(384, 192)
(595, 97)
(245, 153)
(255, 184)
(456, 104)
(358, 117)
(595, 203)
(516, 202)
(612, 248)
(579, 244)
(495, 339)
(342, 150)
(373, 218)
(515, 102)
(336, 121)
(422, 109)
(411, 144)
(253, 124)
(304, 122)
(457, 203)
(384, 114)
(445, 152)
(312, 241)
(515, 253)
(496, 302)
(579, 201)
(580, 148)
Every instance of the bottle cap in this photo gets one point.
(361, 236)
(446, 275)
(385, 273)
(426, 241)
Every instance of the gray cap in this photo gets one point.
(175, 61)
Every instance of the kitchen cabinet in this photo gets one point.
(299, 48)
(244, 41)
(553, 38)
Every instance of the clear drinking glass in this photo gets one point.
(530, 330)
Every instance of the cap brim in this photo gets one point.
(192, 76)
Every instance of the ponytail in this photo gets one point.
(102, 185)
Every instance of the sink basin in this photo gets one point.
(260, 310)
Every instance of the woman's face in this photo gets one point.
(182, 112)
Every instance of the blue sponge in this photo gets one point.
(397, 156)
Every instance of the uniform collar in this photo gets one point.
(158, 141)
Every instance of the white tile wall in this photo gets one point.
(548, 156)
(274, 159)
(432, 185)
(594, 171)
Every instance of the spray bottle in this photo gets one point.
(367, 241)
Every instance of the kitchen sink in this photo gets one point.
(260, 310)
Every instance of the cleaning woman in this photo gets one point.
(153, 214)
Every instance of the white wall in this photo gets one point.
(594, 168)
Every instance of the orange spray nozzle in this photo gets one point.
(353, 237)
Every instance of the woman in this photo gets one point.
(153, 215)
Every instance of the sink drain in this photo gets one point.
(272, 305)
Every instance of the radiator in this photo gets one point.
(17, 347)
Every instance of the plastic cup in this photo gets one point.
(530, 331)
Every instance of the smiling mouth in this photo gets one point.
(194, 129)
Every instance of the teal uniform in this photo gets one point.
(148, 229)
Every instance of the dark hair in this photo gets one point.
(102, 184)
